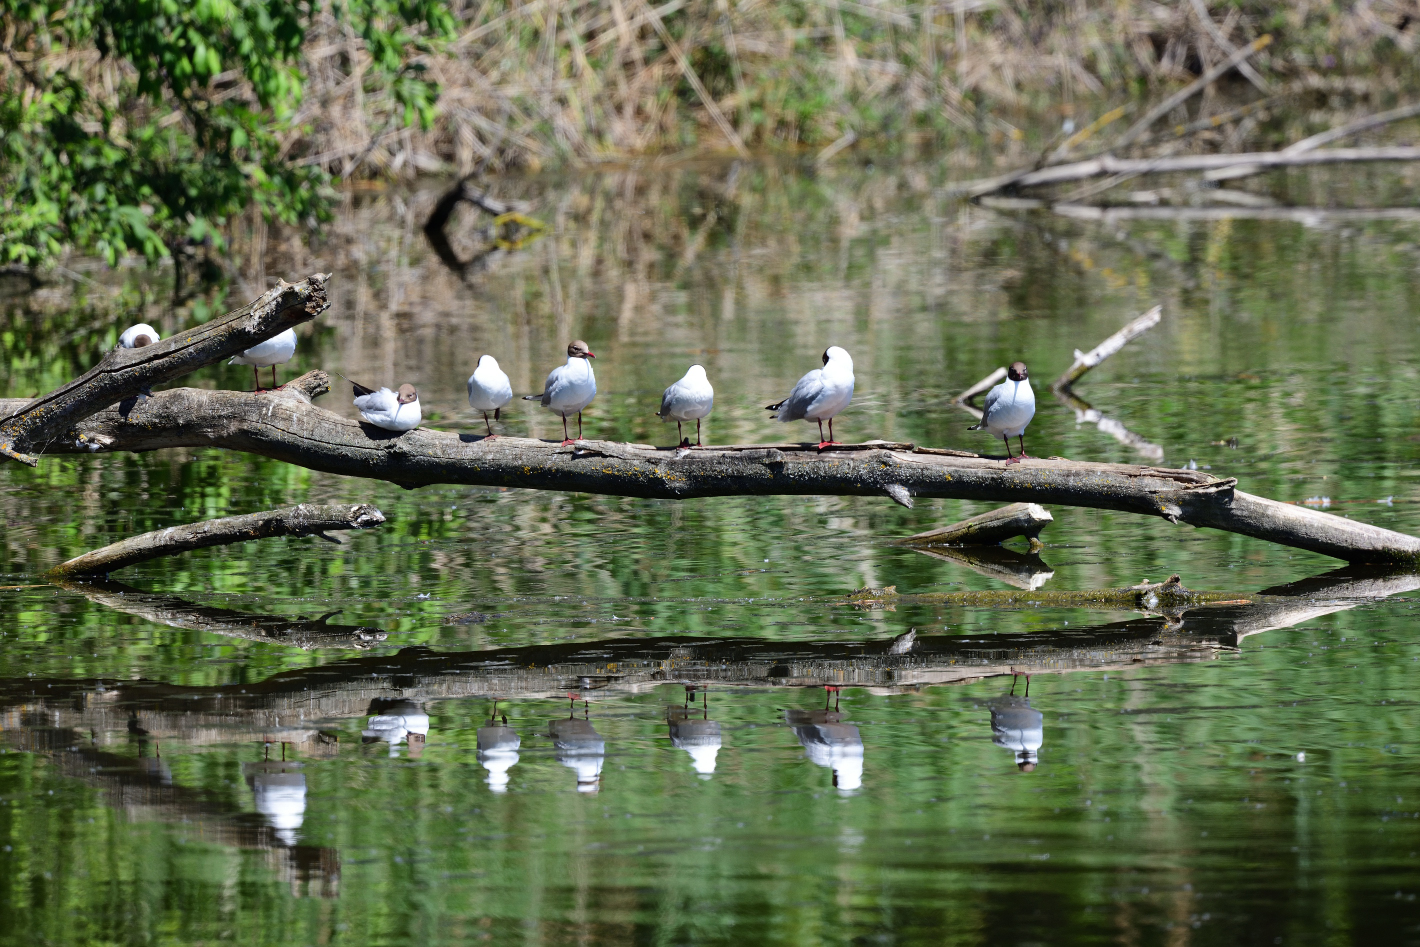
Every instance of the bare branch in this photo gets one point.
(1084, 361)
(125, 373)
(303, 520)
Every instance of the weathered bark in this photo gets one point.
(302, 520)
(284, 425)
(125, 373)
(988, 529)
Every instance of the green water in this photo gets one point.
(142, 795)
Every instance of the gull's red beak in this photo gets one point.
(589, 354)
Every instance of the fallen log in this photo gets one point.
(1109, 164)
(988, 529)
(284, 425)
(302, 520)
(126, 373)
(1323, 138)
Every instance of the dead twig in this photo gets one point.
(303, 520)
(1084, 361)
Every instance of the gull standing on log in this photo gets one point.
(391, 410)
(1009, 408)
(569, 388)
(135, 337)
(821, 394)
(276, 350)
(489, 390)
(689, 399)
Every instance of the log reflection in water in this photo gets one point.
(269, 629)
(290, 705)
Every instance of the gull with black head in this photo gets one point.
(136, 337)
(569, 388)
(1008, 409)
(390, 410)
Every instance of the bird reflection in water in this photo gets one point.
(280, 790)
(579, 747)
(829, 742)
(700, 738)
(1017, 726)
(498, 746)
(396, 722)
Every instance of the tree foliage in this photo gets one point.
(137, 126)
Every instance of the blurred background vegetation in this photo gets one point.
(150, 128)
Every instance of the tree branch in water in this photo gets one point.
(303, 520)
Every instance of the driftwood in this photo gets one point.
(1084, 361)
(1323, 138)
(988, 529)
(284, 425)
(303, 520)
(126, 373)
(1109, 164)
(1307, 216)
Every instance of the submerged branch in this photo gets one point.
(303, 520)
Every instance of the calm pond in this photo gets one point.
(291, 742)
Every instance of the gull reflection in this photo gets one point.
(498, 749)
(700, 738)
(829, 742)
(1017, 726)
(280, 790)
(397, 722)
(579, 747)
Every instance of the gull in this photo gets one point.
(489, 390)
(276, 350)
(391, 410)
(135, 337)
(1009, 408)
(821, 394)
(689, 399)
(569, 388)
